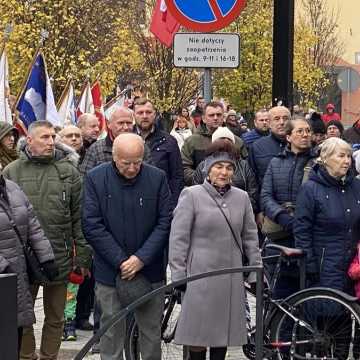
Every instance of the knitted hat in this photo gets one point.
(316, 123)
(231, 112)
(336, 123)
(211, 160)
(223, 132)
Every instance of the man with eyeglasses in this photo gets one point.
(121, 121)
(126, 219)
(71, 136)
(194, 149)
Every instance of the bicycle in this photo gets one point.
(315, 323)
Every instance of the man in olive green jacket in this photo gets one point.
(194, 150)
(53, 186)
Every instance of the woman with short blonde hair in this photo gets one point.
(327, 211)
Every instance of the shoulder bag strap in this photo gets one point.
(227, 220)
(13, 224)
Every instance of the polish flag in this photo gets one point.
(163, 24)
(98, 105)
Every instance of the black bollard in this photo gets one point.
(8, 317)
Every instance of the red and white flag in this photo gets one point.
(98, 105)
(163, 24)
(85, 103)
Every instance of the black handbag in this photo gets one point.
(34, 269)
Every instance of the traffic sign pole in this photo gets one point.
(207, 86)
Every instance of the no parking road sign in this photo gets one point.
(205, 15)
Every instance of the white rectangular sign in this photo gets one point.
(207, 50)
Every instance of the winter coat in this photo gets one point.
(53, 186)
(243, 179)
(181, 135)
(213, 309)
(100, 152)
(250, 137)
(11, 253)
(283, 179)
(165, 155)
(352, 135)
(194, 149)
(327, 211)
(123, 217)
(261, 152)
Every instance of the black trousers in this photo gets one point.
(85, 299)
(20, 332)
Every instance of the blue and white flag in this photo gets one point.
(66, 106)
(37, 100)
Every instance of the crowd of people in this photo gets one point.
(106, 216)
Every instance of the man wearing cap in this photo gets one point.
(334, 128)
(193, 151)
(330, 114)
(232, 124)
(318, 129)
(8, 139)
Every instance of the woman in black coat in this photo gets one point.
(327, 212)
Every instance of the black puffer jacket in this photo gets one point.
(243, 179)
(11, 255)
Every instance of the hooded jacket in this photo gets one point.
(7, 155)
(327, 210)
(53, 186)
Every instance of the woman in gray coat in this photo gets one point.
(13, 201)
(213, 310)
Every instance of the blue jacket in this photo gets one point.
(282, 181)
(261, 152)
(122, 217)
(327, 212)
(165, 155)
(250, 137)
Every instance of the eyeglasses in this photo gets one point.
(69, 136)
(302, 132)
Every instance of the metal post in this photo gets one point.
(283, 52)
(207, 89)
(8, 316)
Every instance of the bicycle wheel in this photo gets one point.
(322, 327)
(170, 351)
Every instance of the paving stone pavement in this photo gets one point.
(70, 348)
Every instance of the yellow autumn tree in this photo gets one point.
(85, 40)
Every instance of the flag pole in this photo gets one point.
(63, 94)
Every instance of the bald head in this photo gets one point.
(89, 126)
(71, 136)
(121, 121)
(128, 153)
(279, 116)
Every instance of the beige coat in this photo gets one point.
(213, 309)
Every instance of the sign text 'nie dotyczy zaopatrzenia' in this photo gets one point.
(213, 50)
